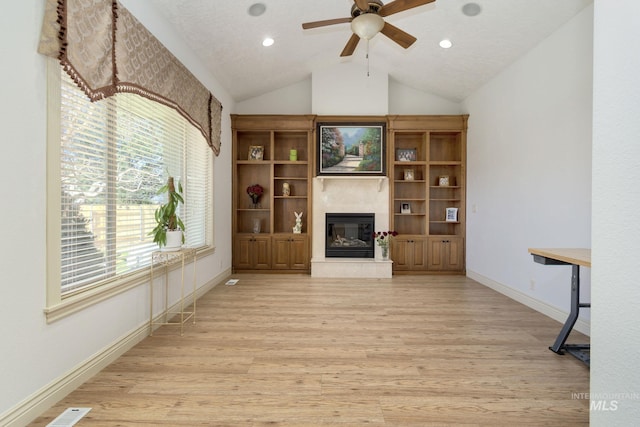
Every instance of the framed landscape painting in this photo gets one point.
(351, 148)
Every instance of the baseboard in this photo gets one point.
(539, 306)
(43, 399)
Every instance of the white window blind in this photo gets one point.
(115, 155)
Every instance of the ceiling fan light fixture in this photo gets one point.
(367, 25)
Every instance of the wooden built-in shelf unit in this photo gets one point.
(421, 190)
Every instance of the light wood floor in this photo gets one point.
(279, 350)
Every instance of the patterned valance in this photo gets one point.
(105, 50)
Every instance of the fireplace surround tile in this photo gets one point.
(345, 195)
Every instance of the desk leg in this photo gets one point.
(558, 346)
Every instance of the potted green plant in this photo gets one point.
(168, 233)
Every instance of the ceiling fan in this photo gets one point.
(366, 21)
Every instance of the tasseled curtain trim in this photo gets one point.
(105, 50)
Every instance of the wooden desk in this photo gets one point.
(575, 257)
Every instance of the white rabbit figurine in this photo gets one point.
(297, 229)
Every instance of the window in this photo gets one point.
(113, 156)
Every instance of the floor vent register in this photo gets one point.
(69, 417)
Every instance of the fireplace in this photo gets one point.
(349, 235)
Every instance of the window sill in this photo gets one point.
(82, 300)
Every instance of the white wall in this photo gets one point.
(355, 94)
(615, 376)
(529, 169)
(406, 100)
(346, 89)
(36, 355)
(293, 99)
(25, 337)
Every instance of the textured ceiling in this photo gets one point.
(228, 40)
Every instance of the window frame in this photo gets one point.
(58, 305)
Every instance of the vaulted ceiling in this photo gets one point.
(228, 39)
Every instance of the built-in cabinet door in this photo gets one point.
(281, 252)
(242, 253)
(420, 250)
(262, 252)
(446, 253)
(291, 252)
(252, 252)
(409, 254)
(299, 255)
(400, 254)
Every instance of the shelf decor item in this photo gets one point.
(256, 225)
(406, 155)
(256, 152)
(405, 208)
(255, 191)
(409, 174)
(168, 232)
(351, 148)
(297, 229)
(286, 189)
(451, 215)
(443, 180)
(293, 155)
(382, 239)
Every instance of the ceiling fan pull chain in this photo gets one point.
(367, 57)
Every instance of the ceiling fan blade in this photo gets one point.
(326, 22)
(397, 35)
(351, 45)
(401, 5)
(362, 4)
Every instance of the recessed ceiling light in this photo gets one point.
(257, 9)
(471, 9)
(268, 41)
(445, 44)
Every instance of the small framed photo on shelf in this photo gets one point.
(443, 180)
(406, 155)
(451, 215)
(409, 174)
(256, 152)
(405, 208)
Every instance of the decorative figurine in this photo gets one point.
(286, 189)
(297, 229)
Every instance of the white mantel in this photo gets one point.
(349, 194)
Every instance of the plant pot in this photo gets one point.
(174, 241)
